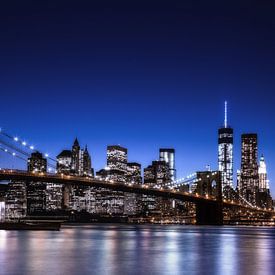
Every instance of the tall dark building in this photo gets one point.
(225, 157)
(249, 180)
(87, 163)
(75, 157)
(168, 155)
(36, 191)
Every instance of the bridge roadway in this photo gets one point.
(19, 175)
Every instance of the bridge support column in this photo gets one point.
(209, 213)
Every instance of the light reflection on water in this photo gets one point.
(126, 249)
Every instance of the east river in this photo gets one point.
(145, 249)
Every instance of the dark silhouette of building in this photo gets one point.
(75, 165)
(36, 191)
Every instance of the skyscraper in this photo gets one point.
(249, 181)
(75, 157)
(225, 157)
(117, 162)
(36, 191)
(87, 163)
(168, 155)
(263, 196)
(263, 182)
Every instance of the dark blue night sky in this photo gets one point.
(141, 74)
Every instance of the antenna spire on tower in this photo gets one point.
(225, 114)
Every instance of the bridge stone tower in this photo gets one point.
(209, 212)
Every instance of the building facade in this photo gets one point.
(249, 179)
(168, 155)
(117, 158)
(225, 153)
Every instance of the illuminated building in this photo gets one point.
(249, 181)
(117, 163)
(16, 201)
(75, 158)
(225, 158)
(108, 201)
(87, 163)
(81, 164)
(263, 196)
(157, 174)
(133, 174)
(2, 210)
(75, 162)
(168, 155)
(36, 163)
(263, 181)
(64, 162)
(132, 201)
(54, 196)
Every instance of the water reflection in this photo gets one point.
(119, 249)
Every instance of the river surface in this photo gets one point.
(146, 249)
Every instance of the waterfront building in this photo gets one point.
(249, 181)
(16, 201)
(2, 209)
(54, 196)
(225, 156)
(168, 155)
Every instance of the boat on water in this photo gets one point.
(54, 226)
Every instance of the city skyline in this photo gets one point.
(226, 124)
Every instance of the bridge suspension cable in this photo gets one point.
(14, 142)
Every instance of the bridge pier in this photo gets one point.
(209, 213)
